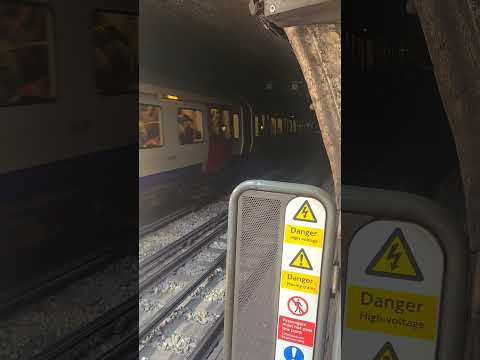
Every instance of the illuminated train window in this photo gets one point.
(226, 125)
(279, 126)
(215, 123)
(236, 126)
(257, 126)
(115, 37)
(27, 61)
(294, 126)
(273, 126)
(219, 123)
(190, 126)
(150, 126)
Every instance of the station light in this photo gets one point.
(172, 97)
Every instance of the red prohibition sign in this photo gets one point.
(297, 305)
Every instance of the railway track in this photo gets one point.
(202, 196)
(175, 307)
(81, 343)
(181, 296)
(57, 279)
(209, 343)
(164, 221)
(165, 260)
(165, 263)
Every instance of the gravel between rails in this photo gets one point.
(28, 331)
(179, 334)
(159, 296)
(210, 291)
(154, 241)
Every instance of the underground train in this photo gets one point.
(190, 133)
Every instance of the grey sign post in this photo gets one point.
(405, 281)
(279, 271)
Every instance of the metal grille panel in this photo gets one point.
(259, 234)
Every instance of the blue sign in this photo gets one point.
(293, 353)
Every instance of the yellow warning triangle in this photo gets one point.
(301, 261)
(305, 213)
(395, 260)
(386, 353)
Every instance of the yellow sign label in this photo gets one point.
(392, 312)
(305, 213)
(303, 236)
(300, 282)
(386, 353)
(301, 261)
(395, 260)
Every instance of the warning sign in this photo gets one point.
(303, 236)
(305, 213)
(298, 301)
(392, 312)
(393, 287)
(386, 353)
(293, 353)
(300, 282)
(296, 331)
(301, 261)
(297, 305)
(395, 260)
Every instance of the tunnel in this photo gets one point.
(219, 49)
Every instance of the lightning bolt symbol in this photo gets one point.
(305, 212)
(395, 256)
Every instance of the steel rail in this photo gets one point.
(56, 279)
(163, 268)
(157, 224)
(180, 297)
(67, 343)
(209, 341)
(185, 239)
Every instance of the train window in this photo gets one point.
(279, 126)
(190, 126)
(236, 126)
(215, 123)
(150, 130)
(273, 125)
(294, 126)
(27, 61)
(257, 126)
(115, 37)
(226, 125)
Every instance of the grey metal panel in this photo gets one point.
(375, 204)
(285, 13)
(255, 237)
(260, 225)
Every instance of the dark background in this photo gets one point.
(395, 133)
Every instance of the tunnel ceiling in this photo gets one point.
(211, 44)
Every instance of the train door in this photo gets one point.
(220, 138)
